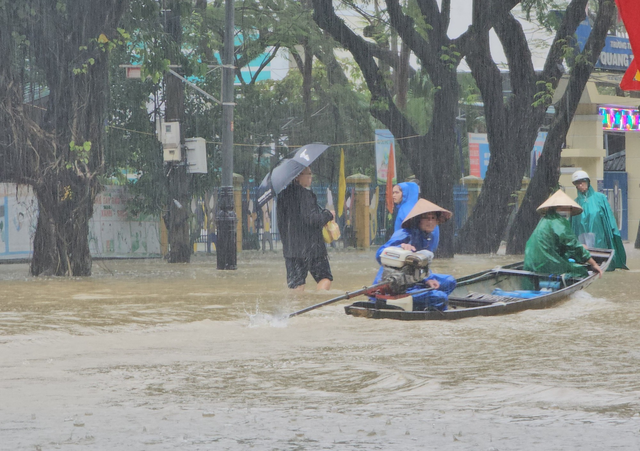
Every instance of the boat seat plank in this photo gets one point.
(519, 272)
(481, 299)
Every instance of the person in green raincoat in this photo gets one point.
(596, 226)
(552, 244)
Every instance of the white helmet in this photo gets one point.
(579, 175)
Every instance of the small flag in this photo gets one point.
(329, 200)
(631, 78)
(629, 11)
(391, 172)
(342, 185)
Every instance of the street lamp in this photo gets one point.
(226, 250)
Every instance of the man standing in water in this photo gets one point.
(300, 222)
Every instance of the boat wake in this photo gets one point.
(260, 319)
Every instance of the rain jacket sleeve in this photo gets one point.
(419, 240)
(283, 205)
(312, 214)
(398, 237)
(435, 240)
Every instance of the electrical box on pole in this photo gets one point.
(196, 155)
(171, 141)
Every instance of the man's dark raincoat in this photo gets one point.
(300, 222)
(597, 219)
(551, 245)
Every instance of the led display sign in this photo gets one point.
(620, 119)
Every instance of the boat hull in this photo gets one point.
(471, 297)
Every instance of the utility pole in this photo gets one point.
(226, 250)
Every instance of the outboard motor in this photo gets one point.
(404, 268)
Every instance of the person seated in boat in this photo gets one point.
(553, 248)
(416, 234)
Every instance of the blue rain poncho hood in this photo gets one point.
(410, 194)
(597, 219)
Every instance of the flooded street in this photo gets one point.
(150, 356)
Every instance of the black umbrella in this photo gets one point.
(286, 170)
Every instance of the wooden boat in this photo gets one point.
(491, 292)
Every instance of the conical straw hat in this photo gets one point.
(559, 199)
(424, 206)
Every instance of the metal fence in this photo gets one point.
(255, 237)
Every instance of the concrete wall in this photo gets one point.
(633, 178)
(111, 232)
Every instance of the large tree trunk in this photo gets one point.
(305, 66)
(61, 245)
(177, 218)
(545, 179)
(178, 180)
(434, 160)
(512, 126)
(431, 155)
(402, 76)
(61, 153)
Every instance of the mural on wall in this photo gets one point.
(111, 232)
(18, 219)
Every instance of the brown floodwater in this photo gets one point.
(145, 355)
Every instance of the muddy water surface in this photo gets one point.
(150, 356)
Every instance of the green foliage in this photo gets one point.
(85, 67)
(583, 58)
(79, 153)
(545, 93)
(544, 12)
(450, 56)
(267, 113)
(469, 92)
(421, 26)
(419, 109)
(147, 44)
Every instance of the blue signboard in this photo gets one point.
(616, 54)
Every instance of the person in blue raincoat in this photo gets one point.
(596, 227)
(405, 195)
(416, 234)
(553, 248)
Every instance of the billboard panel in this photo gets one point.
(384, 140)
(479, 154)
